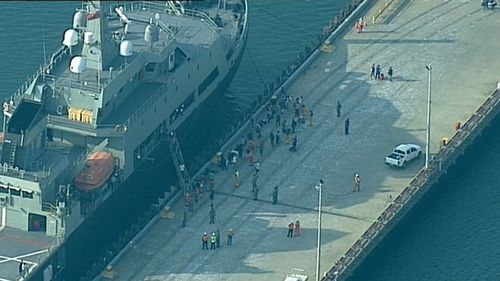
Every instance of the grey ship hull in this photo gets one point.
(85, 251)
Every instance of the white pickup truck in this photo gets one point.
(403, 154)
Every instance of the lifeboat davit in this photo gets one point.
(98, 168)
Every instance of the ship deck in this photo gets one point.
(457, 37)
(15, 245)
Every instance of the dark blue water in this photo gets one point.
(279, 31)
(452, 233)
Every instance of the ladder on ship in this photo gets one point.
(182, 173)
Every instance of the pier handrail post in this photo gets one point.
(428, 138)
(319, 187)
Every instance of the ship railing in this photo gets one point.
(152, 6)
(79, 84)
(42, 70)
(111, 130)
(143, 108)
(15, 172)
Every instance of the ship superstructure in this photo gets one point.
(126, 74)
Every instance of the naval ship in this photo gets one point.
(126, 74)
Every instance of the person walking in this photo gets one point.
(217, 233)
(339, 107)
(21, 268)
(297, 228)
(372, 72)
(290, 230)
(277, 137)
(311, 118)
(254, 181)
(230, 235)
(357, 183)
(346, 126)
(271, 139)
(213, 241)
(212, 214)
(255, 193)
(236, 178)
(204, 241)
(389, 73)
(378, 71)
(294, 144)
(275, 195)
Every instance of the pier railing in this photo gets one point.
(422, 181)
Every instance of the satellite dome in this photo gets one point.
(70, 38)
(126, 48)
(78, 64)
(150, 33)
(79, 19)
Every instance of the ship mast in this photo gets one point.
(99, 48)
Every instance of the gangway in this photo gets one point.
(182, 173)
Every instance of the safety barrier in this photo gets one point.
(422, 181)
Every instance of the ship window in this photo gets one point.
(27, 194)
(37, 222)
(150, 66)
(4, 189)
(210, 78)
(15, 191)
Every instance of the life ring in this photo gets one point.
(59, 110)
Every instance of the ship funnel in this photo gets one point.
(70, 38)
(78, 65)
(80, 19)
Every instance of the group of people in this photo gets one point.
(214, 239)
(376, 72)
(293, 229)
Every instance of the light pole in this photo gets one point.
(428, 139)
(319, 187)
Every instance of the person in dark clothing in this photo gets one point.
(378, 71)
(339, 106)
(294, 125)
(294, 144)
(255, 193)
(217, 233)
(204, 240)
(372, 72)
(271, 138)
(346, 127)
(290, 230)
(212, 215)
(277, 137)
(275, 195)
(389, 73)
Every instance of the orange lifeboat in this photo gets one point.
(98, 168)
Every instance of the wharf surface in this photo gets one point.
(458, 38)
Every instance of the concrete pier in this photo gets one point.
(458, 38)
